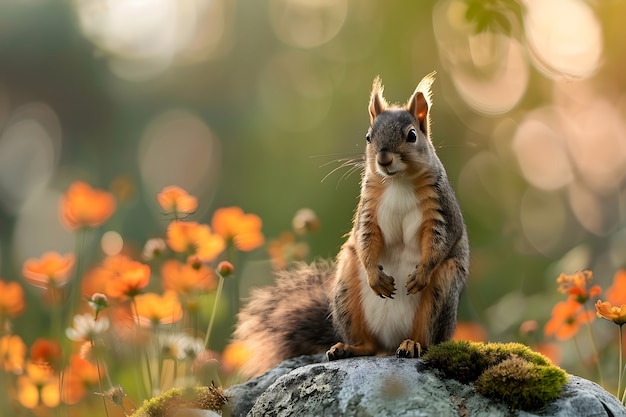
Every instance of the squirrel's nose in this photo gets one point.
(384, 158)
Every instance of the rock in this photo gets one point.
(388, 386)
(189, 412)
(243, 396)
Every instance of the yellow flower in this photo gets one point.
(152, 309)
(39, 385)
(606, 310)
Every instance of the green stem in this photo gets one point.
(78, 276)
(159, 356)
(595, 349)
(104, 400)
(621, 370)
(148, 390)
(218, 294)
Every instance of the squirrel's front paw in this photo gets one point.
(382, 284)
(418, 280)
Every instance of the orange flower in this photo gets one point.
(83, 206)
(39, 385)
(98, 278)
(177, 201)
(243, 229)
(235, 355)
(607, 311)
(616, 293)
(79, 376)
(195, 239)
(128, 278)
(50, 271)
(12, 353)
(153, 309)
(567, 316)
(577, 285)
(285, 250)
(46, 350)
(11, 299)
(550, 350)
(186, 279)
(473, 332)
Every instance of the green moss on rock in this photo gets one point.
(460, 360)
(165, 405)
(522, 384)
(509, 372)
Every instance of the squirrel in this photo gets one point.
(397, 280)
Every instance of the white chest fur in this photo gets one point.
(399, 218)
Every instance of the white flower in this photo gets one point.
(179, 346)
(85, 328)
(192, 347)
(153, 248)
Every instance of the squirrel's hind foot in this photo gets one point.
(409, 349)
(338, 351)
(344, 351)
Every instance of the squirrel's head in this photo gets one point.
(398, 140)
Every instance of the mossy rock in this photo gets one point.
(168, 403)
(509, 372)
(522, 384)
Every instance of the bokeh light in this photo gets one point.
(489, 69)
(111, 243)
(307, 23)
(40, 213)
(143, 38)
(30, 147)
(177, 147)
(564, 37)
(541, 149)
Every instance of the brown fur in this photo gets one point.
(311, 309)
(444, 262)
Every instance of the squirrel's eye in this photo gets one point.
(368, 138)
(411, 136)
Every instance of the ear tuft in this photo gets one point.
(378, 104)
(420, 102)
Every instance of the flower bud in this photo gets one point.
(225, 269)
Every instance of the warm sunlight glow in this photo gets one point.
(177, 147)
(564, 37)
(307, 23)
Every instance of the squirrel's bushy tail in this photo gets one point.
(288, 319)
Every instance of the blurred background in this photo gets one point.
(253, 103)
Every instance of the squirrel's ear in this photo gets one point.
(420, 102)
(378, 104)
